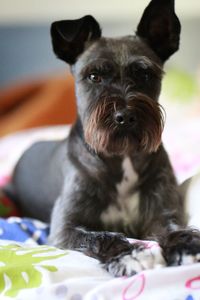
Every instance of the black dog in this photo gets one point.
(111, 176)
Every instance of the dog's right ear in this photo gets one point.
(69, 37)
(160, 28)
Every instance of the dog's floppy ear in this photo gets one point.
(160, 28)
(69, 37)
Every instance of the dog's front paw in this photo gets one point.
(135, 260)
(106, 245)
(181, 247)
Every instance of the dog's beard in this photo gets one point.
(104, 136)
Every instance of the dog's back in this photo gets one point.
(31, 188)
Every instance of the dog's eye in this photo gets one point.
(143, 76)
(94, 77)
(146, 76)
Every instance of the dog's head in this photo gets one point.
(118, 80)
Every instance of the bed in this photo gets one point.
(31, 269)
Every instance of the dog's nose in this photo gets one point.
(123, 118)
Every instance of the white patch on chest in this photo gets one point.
(125, 209)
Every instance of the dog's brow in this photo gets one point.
(146, 63)
(101, 65)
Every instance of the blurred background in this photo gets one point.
(35, 88)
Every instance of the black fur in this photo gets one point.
(69, 37)
(76, 183)
(160, 28)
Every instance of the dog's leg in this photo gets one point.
(113, 250)
(179, 245)
(98, 244)
(162, 219)
(64, 233)
(118, 256)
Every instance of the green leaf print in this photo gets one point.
(19, 267)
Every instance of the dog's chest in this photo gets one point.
(124, 210)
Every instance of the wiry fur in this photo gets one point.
(104, 136)
(75, 182)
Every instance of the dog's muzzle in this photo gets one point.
(116, 127)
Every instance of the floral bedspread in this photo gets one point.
(43, 272)
(32, 271)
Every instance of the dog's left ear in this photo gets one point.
(160, 28)
(69, 37)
